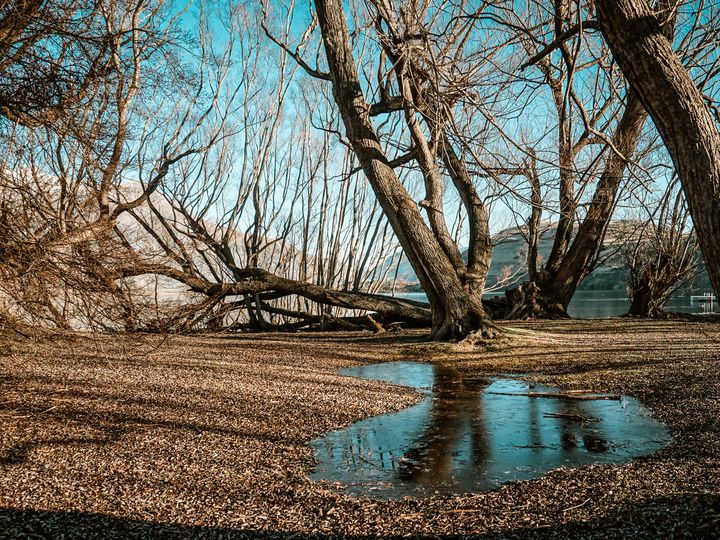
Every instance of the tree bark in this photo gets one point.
(678, 109)
(650, 292)
(640, 303)
(535, 218)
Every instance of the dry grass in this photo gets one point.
(143, 436)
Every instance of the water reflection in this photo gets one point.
(455, 414)
(475, 434)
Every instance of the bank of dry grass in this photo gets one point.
(146, 436)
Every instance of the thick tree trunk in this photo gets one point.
(480, 247)
(677, 107)
(640, 296)
(648, 297)
(455, 312)
(652, 282)
(640, 305)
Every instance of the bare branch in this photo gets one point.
(560, 40)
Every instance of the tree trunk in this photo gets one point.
(649, 294)
(677, 107)
(640, 298)
(571, 262)
(534, 220)
(576, 263)
(591, 233)
(479, 253)
(455, 312)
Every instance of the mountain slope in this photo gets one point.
(508, 266)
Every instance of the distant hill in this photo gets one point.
(507, 268)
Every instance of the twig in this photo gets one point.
(553, 395)
(575, 417)
(367, 461)
(578, 505)
(562, 38)
(465, 510)
(28, 415)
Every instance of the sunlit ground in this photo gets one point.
(208, 436)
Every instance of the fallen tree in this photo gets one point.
(263, 287)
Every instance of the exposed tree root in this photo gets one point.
(528, 301)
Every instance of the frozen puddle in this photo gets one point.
(473, 435)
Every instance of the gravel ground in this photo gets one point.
(206, 437)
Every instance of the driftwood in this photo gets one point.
(562, 395)
(573, 417)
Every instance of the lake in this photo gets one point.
(601, 304)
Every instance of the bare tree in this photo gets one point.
(64, 187)
(570, 61)
(53, 55)
(663, 255)
(265, 229)
(412, 81)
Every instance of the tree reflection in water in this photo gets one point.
(456, 411)
(454, 446)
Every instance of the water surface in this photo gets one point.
(602, 304)
(476, 434)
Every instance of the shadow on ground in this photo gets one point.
(683, 516)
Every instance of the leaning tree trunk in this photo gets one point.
(576, 263)
(677, 107)
(455, 312)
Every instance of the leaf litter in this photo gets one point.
(206, 436)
